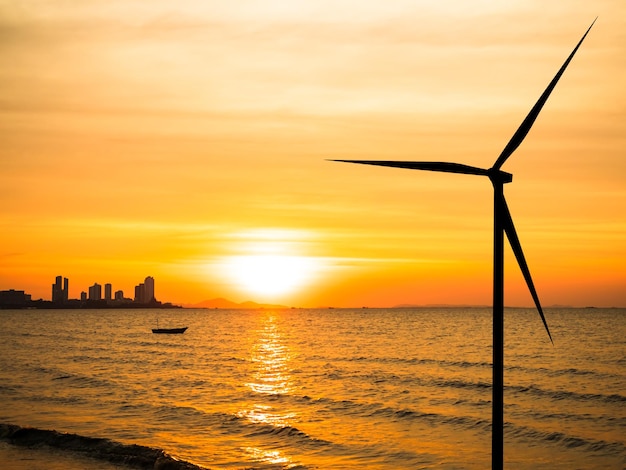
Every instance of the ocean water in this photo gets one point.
(324, 389)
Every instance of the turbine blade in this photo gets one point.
(428, 166)
(511, 234)
(520, 134)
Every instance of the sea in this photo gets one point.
(381, 389)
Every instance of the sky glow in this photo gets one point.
(181, 140)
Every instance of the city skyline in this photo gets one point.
(143, 292)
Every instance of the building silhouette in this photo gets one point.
(60, 290)
(95, 292)
(149, 289)
(14, 298)
(107, 292)
(144, 292)
(139, 292)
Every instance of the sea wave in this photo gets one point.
(566, 440)
(566, 394)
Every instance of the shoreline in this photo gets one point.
(130, 456)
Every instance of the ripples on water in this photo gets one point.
(326, 389)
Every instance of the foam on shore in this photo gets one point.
(131, 456)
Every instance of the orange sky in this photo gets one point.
(188, 141)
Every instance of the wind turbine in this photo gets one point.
(502, 223)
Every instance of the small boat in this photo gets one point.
(169, 331)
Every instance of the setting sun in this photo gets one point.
(269, 263)
(270, 275)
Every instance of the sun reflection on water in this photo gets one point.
(271, 358)
(271, 376)
(273, 457)
(263, 414)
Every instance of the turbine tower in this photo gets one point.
(502, 223)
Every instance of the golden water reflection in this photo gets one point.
(273, 457)
(271, 359)
(264, 414)
(271, 375)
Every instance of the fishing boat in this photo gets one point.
(169, 331)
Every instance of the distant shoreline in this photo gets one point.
(78, 305)
(47, 305)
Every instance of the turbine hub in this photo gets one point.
(499, 176)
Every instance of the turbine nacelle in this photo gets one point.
(498, 176)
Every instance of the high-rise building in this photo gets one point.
(95, 292)
(57, 290)
(119, 295)
(149, 289)
(140, 293)
(144, 292)
(107, 291)
(60, 290)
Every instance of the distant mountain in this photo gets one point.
(227, 304)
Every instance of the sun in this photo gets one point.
(270, 275)
(270, 264)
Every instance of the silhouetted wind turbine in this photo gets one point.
(502, 223)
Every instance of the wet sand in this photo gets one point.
(29, 448)
(13, 457)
